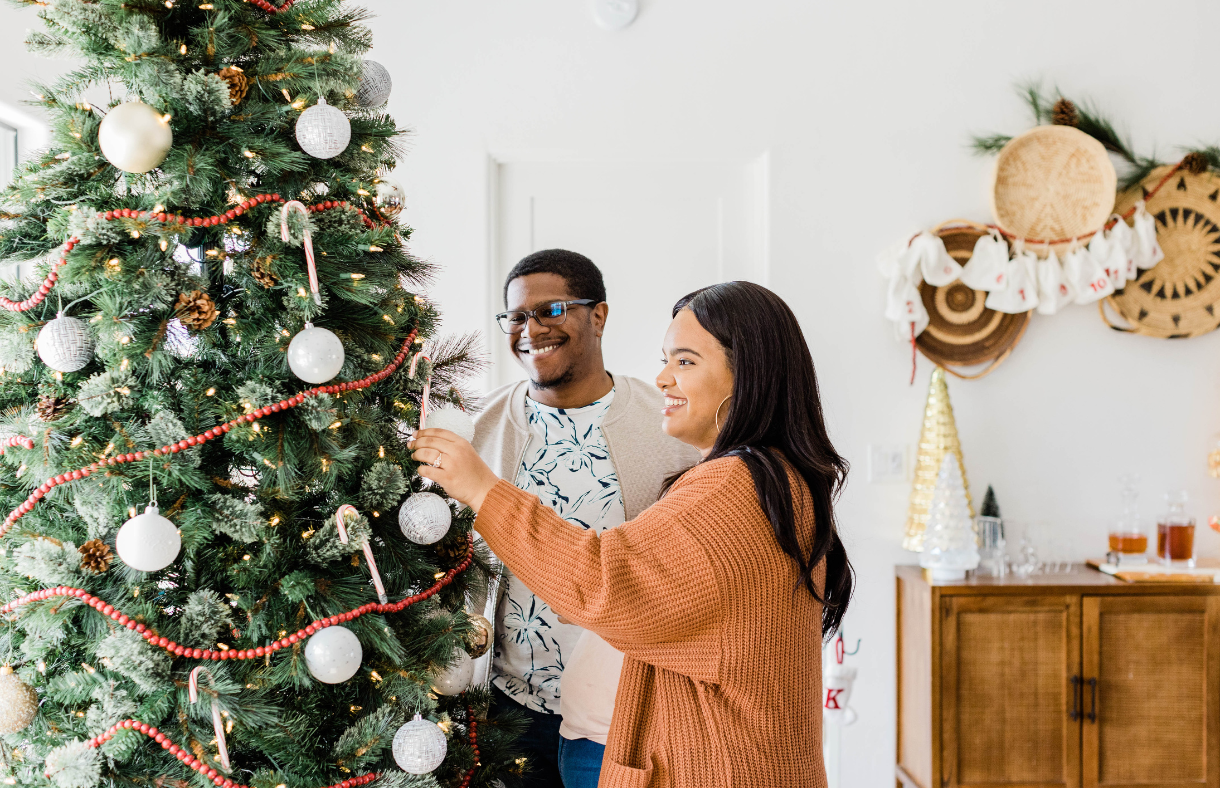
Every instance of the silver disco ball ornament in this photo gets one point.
(424, 518)
(65, 344)
(453, 419)
(389, 198)
(148, 542)
(135, 137)
(375, 85)
(420, 746)
(323, 131)
(315, 355)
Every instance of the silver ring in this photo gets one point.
(437, 464)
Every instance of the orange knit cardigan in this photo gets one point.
(721, 685)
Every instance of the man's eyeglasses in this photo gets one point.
(551, 314)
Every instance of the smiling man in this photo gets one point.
(589, 444)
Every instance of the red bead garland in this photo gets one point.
(215, 432)
(16, 440)
(154, 639)
(263, 4)
(190, 760)
(166, 218)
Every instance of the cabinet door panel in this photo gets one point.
(1007, 664)
(1155, 660)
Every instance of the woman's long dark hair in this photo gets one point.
(776, 414)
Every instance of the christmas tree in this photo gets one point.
(950, 546)
(205, 394)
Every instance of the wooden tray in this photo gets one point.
(1207, 570)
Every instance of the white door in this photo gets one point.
(656, 230)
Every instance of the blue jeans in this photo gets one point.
(580, 762)
(539, 743)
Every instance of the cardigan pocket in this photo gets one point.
(616, 775)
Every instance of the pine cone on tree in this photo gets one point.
(95, 556)
(451, 552)
(1064, 113)
(260, 270)
(238, 84)
(196, 310)
(52, 408)
(1195, 163)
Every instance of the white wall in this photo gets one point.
(865, 110)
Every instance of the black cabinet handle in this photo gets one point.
(1077, 691)
(1093, 706)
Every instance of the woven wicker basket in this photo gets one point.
(1053, 183)
(961, 331)
(1180, 296)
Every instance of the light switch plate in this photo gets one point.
(887, 464)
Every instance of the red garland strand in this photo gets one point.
(215, 432)
(16, 440)
(263, 4)
(167, 218)
(220, 780)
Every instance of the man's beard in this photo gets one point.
(562, 379)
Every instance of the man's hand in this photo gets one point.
(452, 462)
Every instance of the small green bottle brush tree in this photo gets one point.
(213, 569)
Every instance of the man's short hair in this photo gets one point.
(584, 279)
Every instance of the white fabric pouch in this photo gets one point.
(1148, 250)
(987, 268)
(1087, 276)
(938, 267)
(1121, 267)
(1054, 292)
(1020, 291)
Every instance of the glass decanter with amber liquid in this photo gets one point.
(1128, 541)
(1175, 532)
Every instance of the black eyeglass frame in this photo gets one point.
(533, 313)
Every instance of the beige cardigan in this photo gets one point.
(721, 683)
(643, 457)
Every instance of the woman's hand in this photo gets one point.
(452, 462)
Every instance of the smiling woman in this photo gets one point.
(720, 594)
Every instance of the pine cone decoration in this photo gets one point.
(53, 408)
(95, 556)
(451, 552)
(238, 84)
(196, 310)
(1064, 113)
(1195, 163)
(261, 271)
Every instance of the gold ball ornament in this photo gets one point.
(18, 702)
(479, 640)
(390, 199)
(135, 137)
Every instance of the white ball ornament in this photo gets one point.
(455, 679)
(18, 702)
(148, 542)
(375, 85)
(333, 655)
(315, 355)
(453, 419)
(65, 344)
(420, 746)
(425, 518)
(323, 131)
(135, 137)
(389, 198)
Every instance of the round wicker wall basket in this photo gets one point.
(1180, 296)
(962, 332)
(1053, 183)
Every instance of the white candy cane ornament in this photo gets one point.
(285, 236)
(423, 403)
(340, 522)
(217, 722)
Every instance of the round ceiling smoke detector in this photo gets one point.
(615, 14)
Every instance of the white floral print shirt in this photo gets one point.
(567, 465)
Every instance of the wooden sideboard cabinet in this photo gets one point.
(1071, 680)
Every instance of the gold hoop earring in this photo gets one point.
(718, 407)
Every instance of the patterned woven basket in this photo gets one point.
(962, 331)
(1180, 296)
(1053, 183)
